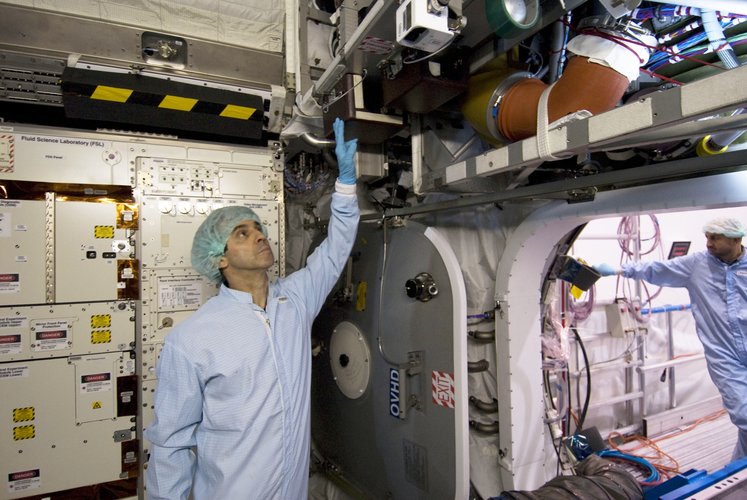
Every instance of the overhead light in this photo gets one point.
(509, 18)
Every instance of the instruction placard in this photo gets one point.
(14, 371)
(176, 293)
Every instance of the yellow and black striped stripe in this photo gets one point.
(140, 100)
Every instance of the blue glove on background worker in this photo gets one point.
(605, 269)
(345, 152)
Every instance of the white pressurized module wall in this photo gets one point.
(253, 24)
(95, 240)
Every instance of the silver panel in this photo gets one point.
(29, 31)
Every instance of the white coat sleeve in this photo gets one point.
(673, 273)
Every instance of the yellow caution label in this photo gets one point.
(360, 303)
(240, 112)
(104, 93)
(24, 432)
(96, 405)
(103, 231)
(178, 103)
(101, 320)
(24, 414)
(576, 292)
(101, 336)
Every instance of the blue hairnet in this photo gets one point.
(731, 228)
(209, 243)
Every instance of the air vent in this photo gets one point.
(30, 86)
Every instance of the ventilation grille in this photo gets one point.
(30, 86)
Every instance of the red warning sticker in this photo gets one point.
(10, 344)
(96, 382)
(24, 480)
(57, 334)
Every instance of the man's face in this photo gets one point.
(247, 249)
(721, 247)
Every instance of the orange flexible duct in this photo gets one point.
(583, 85)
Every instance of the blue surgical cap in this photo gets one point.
(731, 228)
(209, 243)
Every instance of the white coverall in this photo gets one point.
(718, 293)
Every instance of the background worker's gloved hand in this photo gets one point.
(345, 152)
(605, 269)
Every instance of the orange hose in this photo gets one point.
(583, 85)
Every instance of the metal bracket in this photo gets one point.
(122, 435)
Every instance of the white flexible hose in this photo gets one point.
(717, 39)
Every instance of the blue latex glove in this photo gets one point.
(604, 269)
(345, 152)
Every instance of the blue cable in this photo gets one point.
(654, 474)
(668, 308)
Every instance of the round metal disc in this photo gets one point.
(350, 359)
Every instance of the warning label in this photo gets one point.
(53, 340)
(10, 344)
(96, 382)
(25, 480)
(10, 282)
(51, 335)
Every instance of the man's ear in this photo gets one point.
(223, 262)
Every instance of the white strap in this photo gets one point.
(543, 139)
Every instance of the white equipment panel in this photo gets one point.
(169, 223)
(95, 271)
(22, 251)
(61, 330)
(208, 179)
(88, 245)
(79, 425)
(176, 196)
(170, 296)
